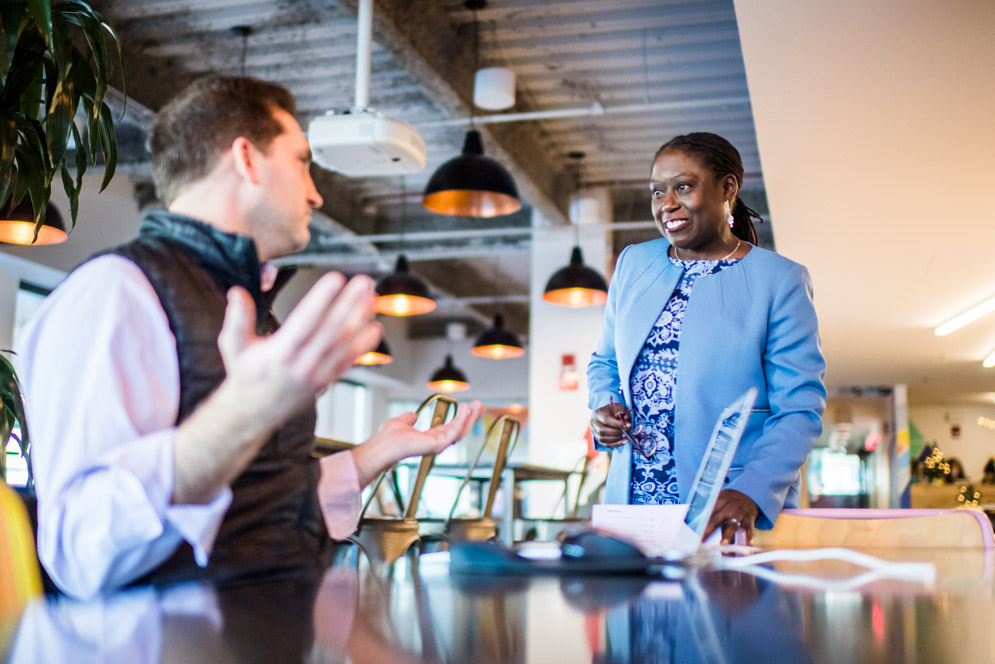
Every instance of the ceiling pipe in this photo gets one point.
(594, 109)
(468, 234)
(324, 259)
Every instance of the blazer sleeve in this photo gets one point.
(794, 370)
(602, 371)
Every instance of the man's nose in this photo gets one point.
(314, 199)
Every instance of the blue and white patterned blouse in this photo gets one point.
(654, 377)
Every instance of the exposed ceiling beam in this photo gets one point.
(423, 40)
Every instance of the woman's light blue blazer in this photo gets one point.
(751, 325)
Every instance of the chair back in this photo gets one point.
(444, 410)
(507, 430)
(879, 528)
(20, 578)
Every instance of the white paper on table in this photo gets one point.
(656, 529)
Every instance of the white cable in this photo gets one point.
(917, 571)
(814, 582)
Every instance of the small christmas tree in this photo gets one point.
(935, 468)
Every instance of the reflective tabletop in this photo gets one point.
(416, 610)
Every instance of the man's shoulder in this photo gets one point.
(101, 278)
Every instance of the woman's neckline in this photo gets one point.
(675, 257)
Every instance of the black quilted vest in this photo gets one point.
(274, 523)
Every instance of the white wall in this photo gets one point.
(976, 443)
(559, 418)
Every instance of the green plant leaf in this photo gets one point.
(80, 167)
(40, 12)
(108, 144)
(8, 139)
(92, 30)
(10, 23)
(25, 69)
(61, 110)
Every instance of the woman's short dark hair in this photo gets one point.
(192, 130)
(720, 157)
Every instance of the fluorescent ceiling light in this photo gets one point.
(963, 319)
(989, 361)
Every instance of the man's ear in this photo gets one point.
(245, 159)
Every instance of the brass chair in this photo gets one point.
(384, 539)
(482, 528)
(20, 577)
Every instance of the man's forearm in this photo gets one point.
(214, 445)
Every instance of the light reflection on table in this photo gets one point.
(415, 611)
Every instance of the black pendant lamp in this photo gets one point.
(402, 293)
(472, 185)
(576, 285)
(381, 355)
(498, 342)
(17, 225)
(448, 378)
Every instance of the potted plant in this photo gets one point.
(45, 78)
(11, 415)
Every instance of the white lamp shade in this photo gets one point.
(494, 89)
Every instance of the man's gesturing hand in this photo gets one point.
(331, 326)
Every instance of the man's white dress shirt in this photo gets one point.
(101, 383)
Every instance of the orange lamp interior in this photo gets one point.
(23, 232)
(498, 351)
(471, 203)
(403, 305)
(576, 297)
(448, 386)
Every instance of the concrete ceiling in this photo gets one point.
(873, 120)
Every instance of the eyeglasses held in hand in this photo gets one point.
(638, 434)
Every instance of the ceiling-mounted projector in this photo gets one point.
(365, 143)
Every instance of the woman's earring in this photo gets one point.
(729, 218)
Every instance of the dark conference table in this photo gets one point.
(416, 611)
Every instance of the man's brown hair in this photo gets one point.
(194, 129)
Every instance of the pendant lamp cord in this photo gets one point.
(404, 210)
(243, 31)
(476, 63)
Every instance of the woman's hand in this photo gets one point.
(733, 510)
(607, 423)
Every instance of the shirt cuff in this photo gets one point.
(196, 524)
(339, 494)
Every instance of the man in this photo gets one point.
(171, 422)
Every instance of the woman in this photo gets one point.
(692, 321)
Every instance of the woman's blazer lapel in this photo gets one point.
(646, 295)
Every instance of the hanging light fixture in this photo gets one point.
(448, 378)
(17, 225)
(472, 184)
(498, 342)
(494, 88)
(576, 285)
(381, 355)
(402, 293)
